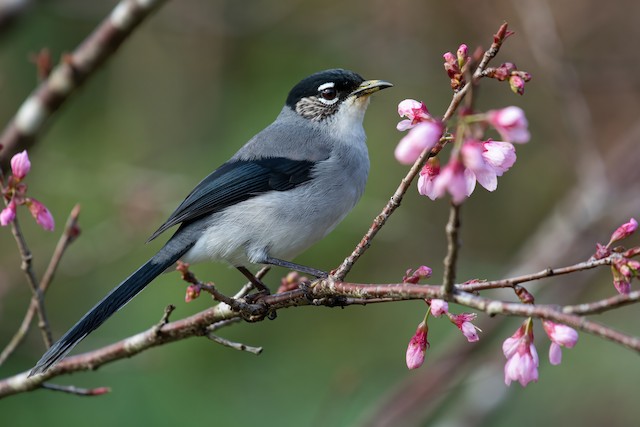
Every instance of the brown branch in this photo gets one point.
(546, 273)
(453, 244)
(341, 272)
(603, 305)
(68, 236)
(26, 266)
(327, 293)
(74, 69)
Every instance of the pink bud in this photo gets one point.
(516, 83)
(20, 165)
(522, 357)
(439, 307)
(449, 58)
(417, 347)
(462, 52)
(624, 231)
(193, 292)
(414, 277)
(41, 214)
(8, 214)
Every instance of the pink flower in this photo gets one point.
(463, 322)
(41, 214)
(560, 335)
(20, 165)
(521, 354)
(439, 307)
(8, 214)
(488, 160)
(427, 176)
(510, 123)
(421, 137)
(455, 179)
(415, 112)
(624, 231)
(417, 347)
(414, 277)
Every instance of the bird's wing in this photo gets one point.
(236, 181)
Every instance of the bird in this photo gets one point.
(280, 193)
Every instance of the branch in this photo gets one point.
(74, 69)
(68, 236)
(330, 294)
(341, 272)
(453, 244)
(37, 297)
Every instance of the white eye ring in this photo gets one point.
(327, 93)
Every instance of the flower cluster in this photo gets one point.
(15, 195)
(522, 357)
(418, 344)
(471, 160)
(623, 268)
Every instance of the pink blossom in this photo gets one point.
(415, 112)
(455, 179)
(417, 347)
(414, 277)
(623, 271)
(624, 231)
(8, 214)
(463, 322)
(488, 160)
(427, 175)
(560, 335)
(422, 137)
(510, 123)
(522, 357)
(20, 165)
(41, 214)
(439, 307)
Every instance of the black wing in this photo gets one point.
(236, 181)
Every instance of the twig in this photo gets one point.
(26, 266)
(453, 244)
(549, 272)
(78, 391)
(341, 272)
(603, 305)
(74, 69)
(164, 319)
(234, 345)
(68, 236)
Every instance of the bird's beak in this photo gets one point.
(368, 87)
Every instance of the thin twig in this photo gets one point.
(234, 345)
(453, 244)
(37, 294)
(546, 273)
(68, 236)
(341, 272)
(78, 391)
(603, 305)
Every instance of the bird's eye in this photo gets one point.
(329, 94)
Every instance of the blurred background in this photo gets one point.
(198, 80)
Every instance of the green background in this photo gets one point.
(198, 80)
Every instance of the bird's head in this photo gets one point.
(335, 94)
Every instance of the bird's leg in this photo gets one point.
(297, 267)
(257, 283)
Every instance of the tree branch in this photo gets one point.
(74, 69)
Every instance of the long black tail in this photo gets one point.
(116, 299)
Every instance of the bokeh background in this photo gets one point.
(198, 80)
